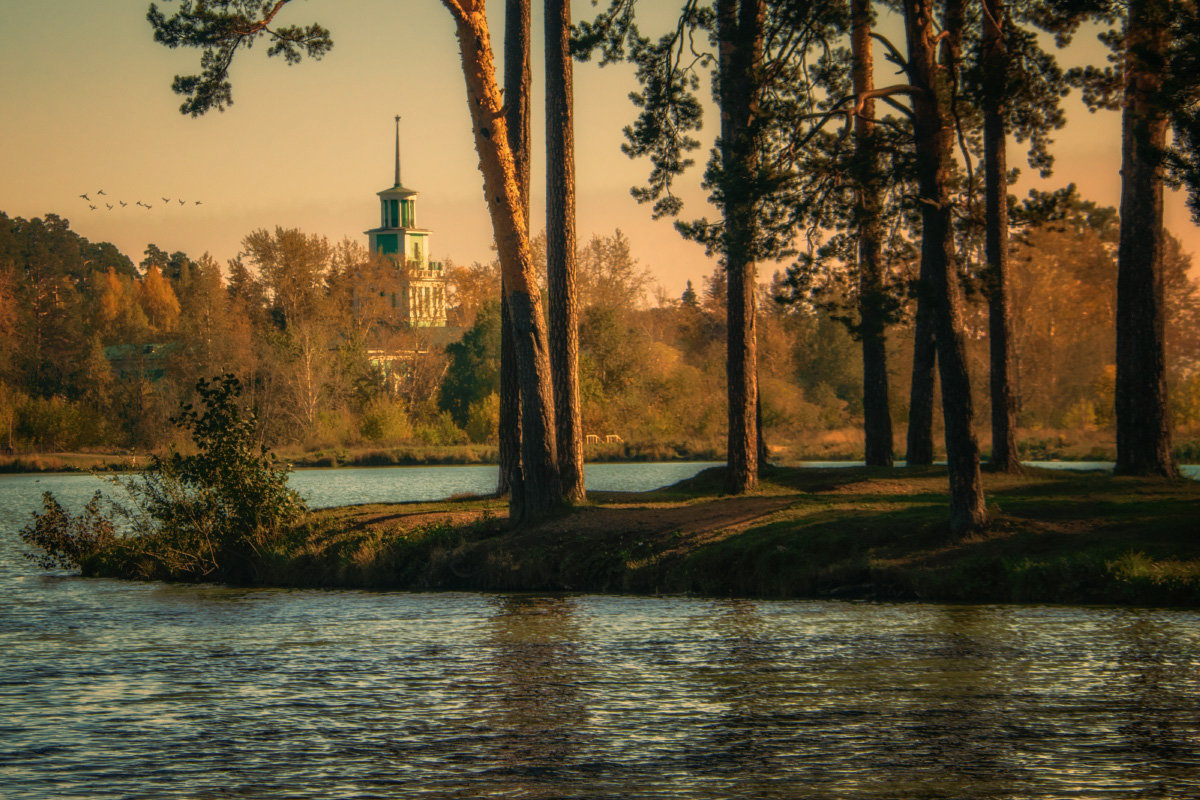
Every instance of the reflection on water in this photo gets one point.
(537, 707)
(124, 690)
(114, 690)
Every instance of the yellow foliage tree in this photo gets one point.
(158, 300)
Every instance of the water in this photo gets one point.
(114, 690)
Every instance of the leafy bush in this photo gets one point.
(64, 539)
(483, 420)
(440, 430)
(384, 420)
(214, 514)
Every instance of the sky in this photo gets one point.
(87, 105)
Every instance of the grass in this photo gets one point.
(871, 533)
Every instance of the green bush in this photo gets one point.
(483, 419)
(216, 514)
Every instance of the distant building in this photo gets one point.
(419, 292)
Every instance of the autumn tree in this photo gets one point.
(157, 298)
(609, 274)
(468, 289)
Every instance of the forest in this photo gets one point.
(97, 351)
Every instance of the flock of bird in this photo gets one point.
(123, 204)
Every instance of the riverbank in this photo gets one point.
(858, 533)
(832, 445)
(449, 455)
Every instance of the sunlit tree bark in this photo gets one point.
(560, 248)
(516, 104)
(538, 451)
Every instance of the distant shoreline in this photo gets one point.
(456, 455)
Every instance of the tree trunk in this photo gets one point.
(995, 88)
(877, 415)
(560, 248)
(1143, 421)
(516, 95)
(919, 448)
(933, 128)
(538, 453)
(763, 452)
(740, 34)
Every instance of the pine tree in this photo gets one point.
(561, 272)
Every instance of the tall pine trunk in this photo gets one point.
(740, 36)
(517, 82)
(1143, 421)
(933, 128)
(538, 452)
(560, 249)
(919, 449)
(995, 88)
(877, 415)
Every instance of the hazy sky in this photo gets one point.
(87, 105)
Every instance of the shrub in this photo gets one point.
(214, 514)
(439, 431)
(384, 420)
(63, 539)
(483, 419)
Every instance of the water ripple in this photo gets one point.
(120, 690)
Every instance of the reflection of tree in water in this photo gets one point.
(838, 705)
(534, 697)
(951, 710)
(1155, 684)
(744, 679)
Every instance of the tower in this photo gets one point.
(420, 296)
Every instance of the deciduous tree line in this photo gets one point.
(324, 362)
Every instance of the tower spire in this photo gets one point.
(397, 149)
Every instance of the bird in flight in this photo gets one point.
(197, 202)
(180, 202)
(99, 191)
(85, 197)
(92, 207)
(166, 199)
(147, 206)
(123, 203)
(110, 206)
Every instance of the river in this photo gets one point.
(111, 689)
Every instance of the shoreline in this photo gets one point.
(822, 533)
(464, 455)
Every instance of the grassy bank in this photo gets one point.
(845, 533)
